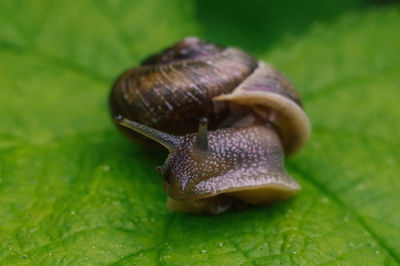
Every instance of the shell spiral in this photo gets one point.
(170, 91)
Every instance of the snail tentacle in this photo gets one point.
(202, 136)
(168, 141)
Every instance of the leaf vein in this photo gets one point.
(357, 216)
(60, 62)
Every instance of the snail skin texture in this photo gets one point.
(226, 119)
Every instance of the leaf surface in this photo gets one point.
(74, 191)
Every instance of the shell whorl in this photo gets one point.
(173, 89)
(170, 91)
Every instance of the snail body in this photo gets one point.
(227, 120)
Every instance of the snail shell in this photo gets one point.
(254, 117)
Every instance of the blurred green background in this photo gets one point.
(74, 191)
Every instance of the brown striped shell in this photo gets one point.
(252, 110)
(170, 91)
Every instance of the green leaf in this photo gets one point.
(74, 191)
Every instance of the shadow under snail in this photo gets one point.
(226, 119)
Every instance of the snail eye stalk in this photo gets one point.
(168, 141)
(202, 135)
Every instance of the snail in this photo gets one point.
(226, 119)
